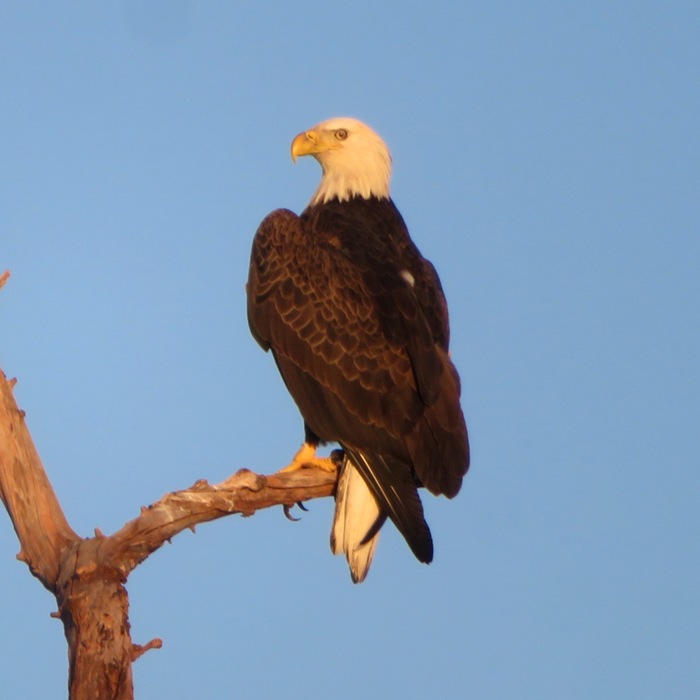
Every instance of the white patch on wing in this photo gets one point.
(408, 277)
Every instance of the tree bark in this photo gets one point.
(88, 575)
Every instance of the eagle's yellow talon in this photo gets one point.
(306, 457)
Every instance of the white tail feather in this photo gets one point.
(356, 512)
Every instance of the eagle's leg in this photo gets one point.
(306, 457)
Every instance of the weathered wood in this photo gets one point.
(88, 576)
(36, 515)
(244, 493)
(94, 609)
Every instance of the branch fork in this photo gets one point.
(88, 575)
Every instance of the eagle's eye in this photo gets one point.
(341, 134)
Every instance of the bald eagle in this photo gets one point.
(357, 323)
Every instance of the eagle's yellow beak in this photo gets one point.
(306, 144)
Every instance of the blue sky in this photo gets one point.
(546, 158)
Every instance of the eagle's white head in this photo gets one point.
(354, 159)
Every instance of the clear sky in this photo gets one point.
(546, 159)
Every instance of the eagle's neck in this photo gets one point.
(364, 174)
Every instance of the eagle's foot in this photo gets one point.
(306, 457)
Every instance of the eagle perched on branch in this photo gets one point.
(357, 322)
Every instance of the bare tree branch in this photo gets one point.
(244, 493)
(87, 575)
(36, 515)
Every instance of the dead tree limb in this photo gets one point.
(41, 526)
(88, 575)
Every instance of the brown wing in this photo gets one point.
(412, 317)
(310, 302)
